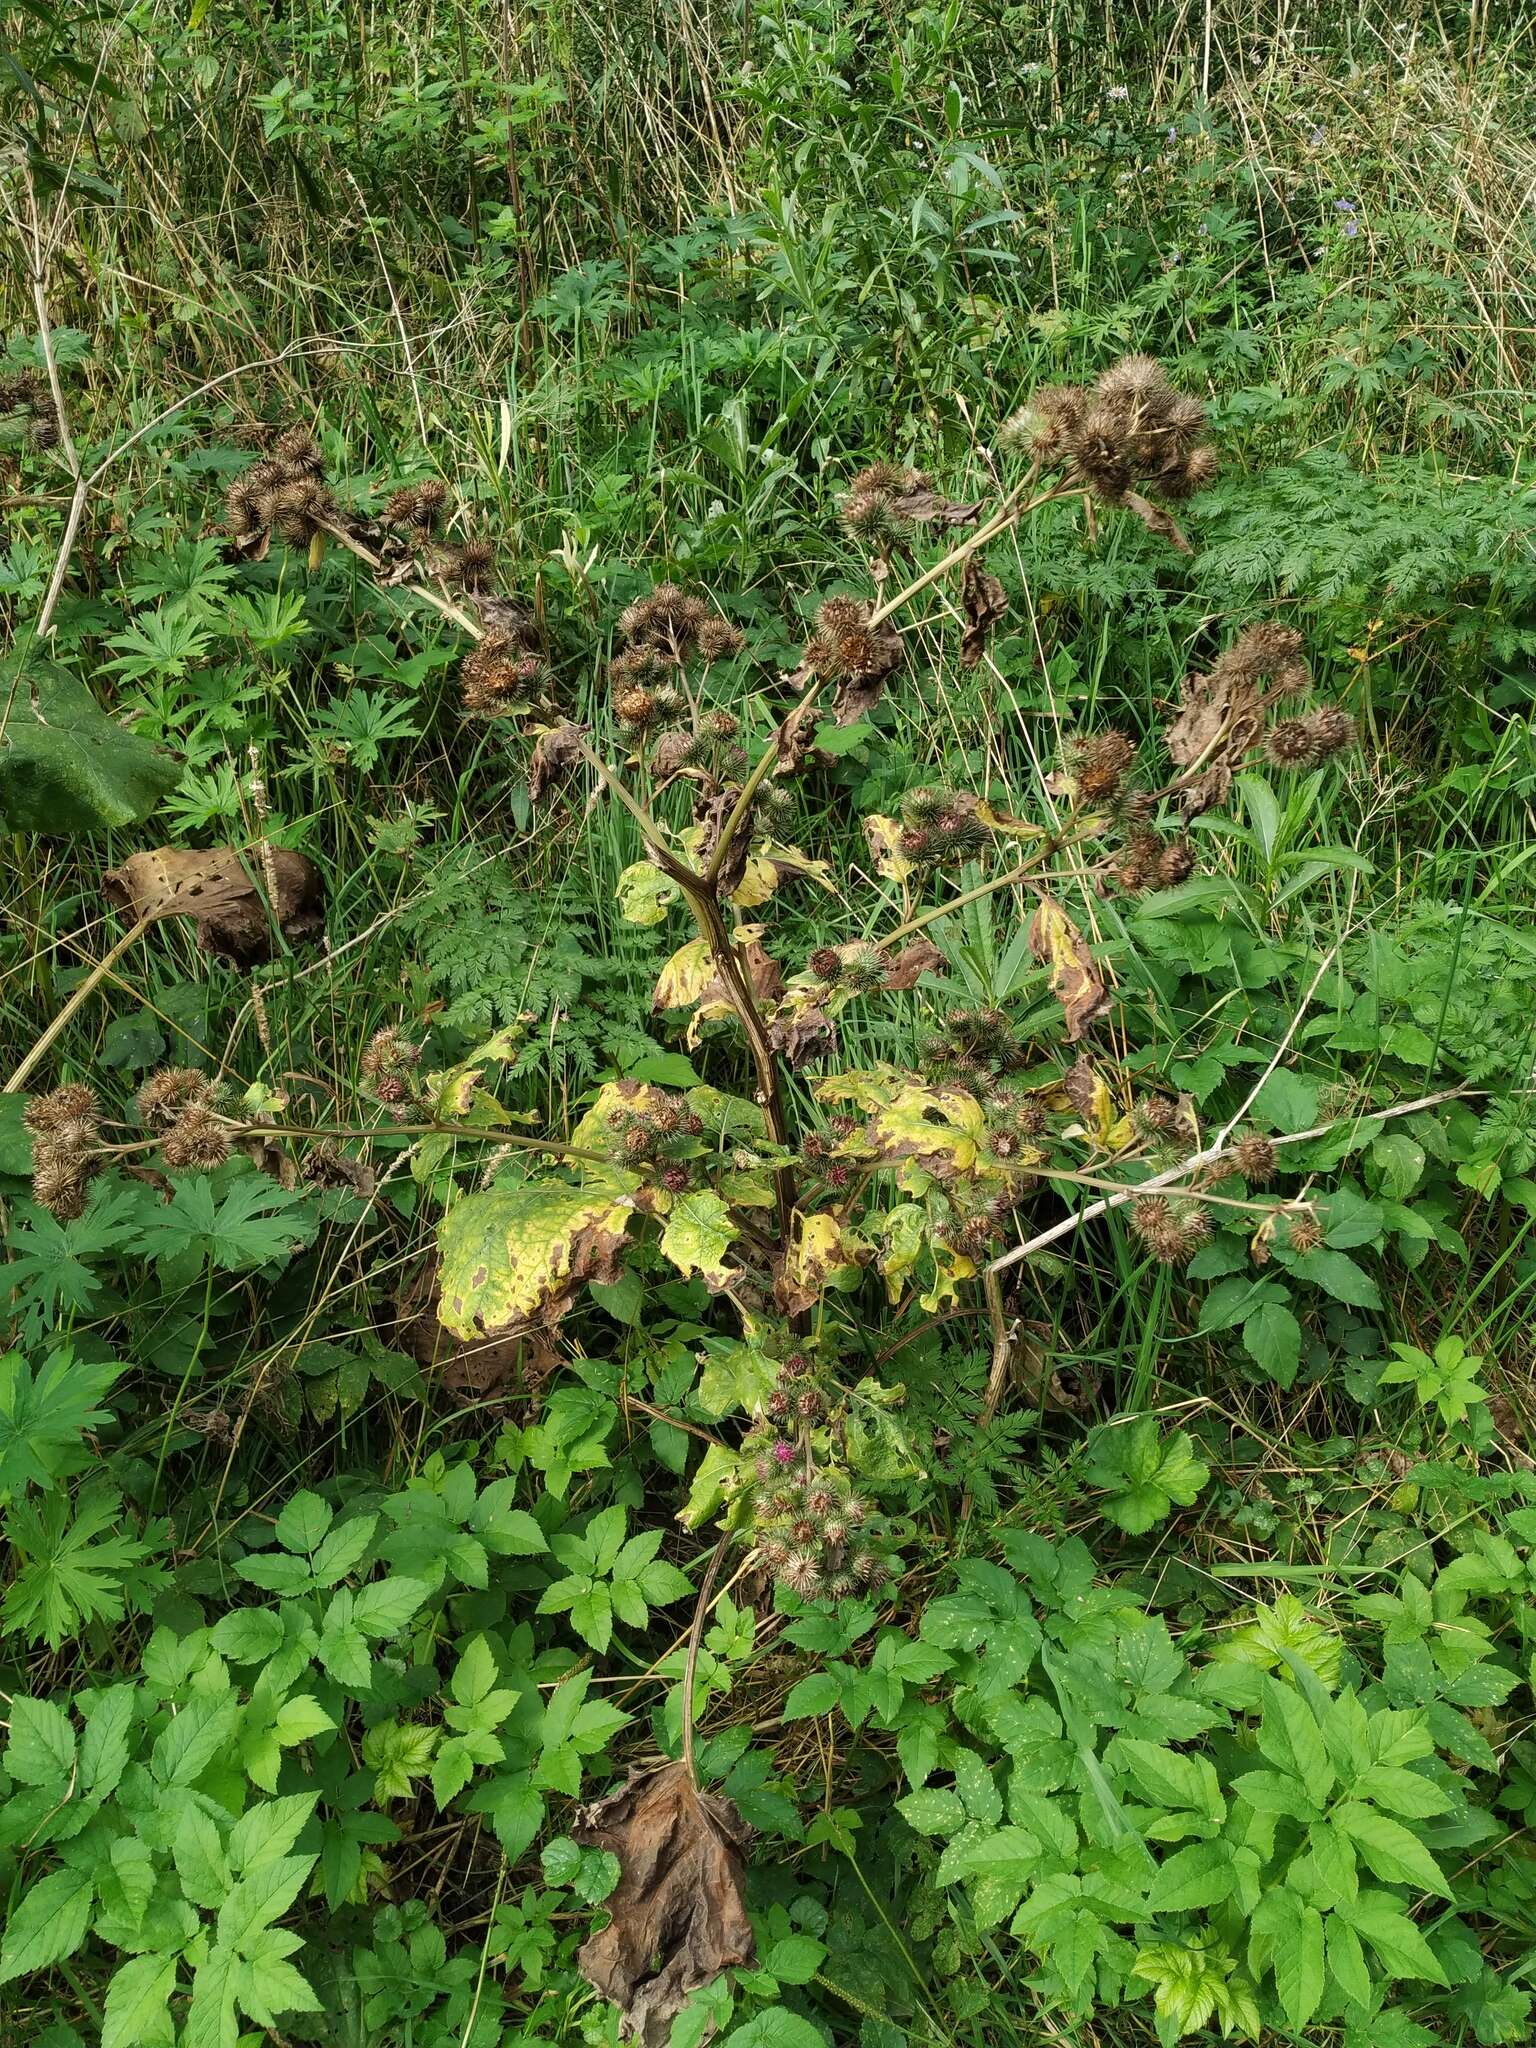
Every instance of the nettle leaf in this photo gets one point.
(65, 766)
(511, 1255)
(1146, 1474)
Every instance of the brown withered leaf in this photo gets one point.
(1221, 716)
(763, 973)
(1156, 520)
(932, 508)
(803, 1035)
(911, 963)
(556, 751)
(712, 812)
(225, 892)
(1057, 943)
(861, 690)
(792, 741)
(677, 1914)
(984, 602)
(513, 620)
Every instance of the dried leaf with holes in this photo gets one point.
(1057, 943)
(677, 1916)
(225, 891)
(984, 603)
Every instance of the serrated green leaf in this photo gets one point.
(48, 1924)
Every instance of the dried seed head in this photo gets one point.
(721, 725)
(476, 563)
(1290, 743)
(668, 620)
(493, 671)
(167, 1093)
(826, 963)
(1100, 765)
(1175, 864)
(1303, 1232)
(388, 1052)
(1171, 1230)
(1333, 729)
(675, 1178)
(73, 1104)
(60, 1182)
(636, 709)
(197, 1138)
(1254, 1158)
(300, 451)
(718, 639)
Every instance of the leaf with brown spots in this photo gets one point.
(909, 966)
(516, 1256)
(225, 891)
(677, 1917)
(1057, 943)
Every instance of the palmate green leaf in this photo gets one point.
(1145, 1473)
(44, 1417)
(251, 1222)
(71, 1571)
(65, 766)
(510, 1254)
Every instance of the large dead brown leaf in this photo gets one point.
(677, 1915)
(1220, 717)
(862, 688)
(984, 602)
(225, 891)
(934, 509)
(1057, 943)
(802, 1033)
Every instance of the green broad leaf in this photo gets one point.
(384, 1608)
(1145, 1473)
(1297, 1958)
(517, 1814)
(511, 1253)
(48, 1924)
(1333, 1860)
(276, 1572)
(300, 1719)
(1200, 1875)
(1272, 1339)
(1346, 1961)
(343, 1651)
(706, 1491)
(137, 2012)
(475, 1673)
(817, 1694)
(211, 2020)
(1292, 1740)
(795, 1958)
(104, 1745)
(342, 1550)
(43, 1417)
(736, 1375)
(269, 1830)
(41, 1746)
(1169, 1778)
(1408, 1793)
(65, 766)
(248, 1635)
(592, 1615)
(1336, 1275)
(1389, 1849)
(196, 1735)
(1287, 1101)
(1404, 1951)
(261, 1898)
(934, 1812)
(776, 2029)
(698, 1235)
(303, 1522)
(267, 1984)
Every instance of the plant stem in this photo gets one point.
(87, 987)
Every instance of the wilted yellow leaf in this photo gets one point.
(513, 1256)
(1057, 943)
(884, 836)
(644, 894)
(684, 978)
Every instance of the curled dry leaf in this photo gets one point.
(932, 508)
(713, 812)
(861, 690)
(480, 1369)
(803, 1034)
(677, 1915)
(1057, 943)
(984, 602)
(556, 751)
(225, 891)
(1156, 520)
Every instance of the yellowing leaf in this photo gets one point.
(949, 1268)
(905, 1231)
(699, 1232)
(644, 895)
(759, 879)
(821, 1255)
(789, 861)
(1004, 821)
(1056, 942)
(884, 836)
(512, 1256)
(684, 978)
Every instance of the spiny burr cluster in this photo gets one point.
(387, 1068)
(876, 510)
(940, 828)
(1224, 713)
(1174, 1223)
(1129, 428)
(64, 1127)
(812, 1528)
(180, 1102)
(662, 1136)
(285, 492)
(27, 392)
